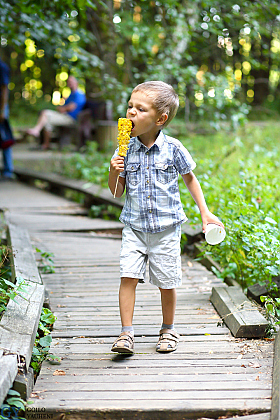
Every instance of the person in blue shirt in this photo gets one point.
(4, 123)
(152, 211)
(65, 115)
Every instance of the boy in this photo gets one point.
(152, 212)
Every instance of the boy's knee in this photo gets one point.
(127, 281)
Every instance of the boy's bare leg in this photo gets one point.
(168, 337)
(125, 342)
(168, 304)
(127, 300)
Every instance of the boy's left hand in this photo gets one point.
(210, 218)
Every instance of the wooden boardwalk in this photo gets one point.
(211, 374)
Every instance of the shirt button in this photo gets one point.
(147, 167)
(149, 196)
(150, 211)
(148, 182)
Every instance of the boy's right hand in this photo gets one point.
(117, 164)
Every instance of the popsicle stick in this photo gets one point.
(116, 186)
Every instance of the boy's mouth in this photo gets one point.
(133, 125)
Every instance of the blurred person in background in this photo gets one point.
(64, 116)
(6, 136)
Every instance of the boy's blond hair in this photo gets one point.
(165, 99)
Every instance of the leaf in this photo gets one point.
(16, 402)
(270, 220)
(13, 392)
(59, 372)
(45, 341)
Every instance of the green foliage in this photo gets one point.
(43, 341)
(240, 179)
(9, 290)
(220, 56)
(13, 406)
(46, 261)
(92, 166)
(272, 306)
(105, 212)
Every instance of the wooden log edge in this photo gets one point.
(19, 323)
(9, 370)
(275, 403)
(239, 314)
(23, 262)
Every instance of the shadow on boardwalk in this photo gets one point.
(210, 375)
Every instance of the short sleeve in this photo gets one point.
(183, 161)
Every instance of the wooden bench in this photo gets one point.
(94, 123)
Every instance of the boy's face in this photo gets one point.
(145, 119)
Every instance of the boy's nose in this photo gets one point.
(131, 111)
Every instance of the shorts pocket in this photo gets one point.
(133, 173)
(167, 268)
(165, 172)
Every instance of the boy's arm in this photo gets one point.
(116, 167)
(196, 192)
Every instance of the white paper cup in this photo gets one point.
(214, 234)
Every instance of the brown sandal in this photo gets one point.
(124, 343)
(168, 340)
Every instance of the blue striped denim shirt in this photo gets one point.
(152, 201)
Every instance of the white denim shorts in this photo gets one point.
(162, 250)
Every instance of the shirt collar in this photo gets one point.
(158, 143)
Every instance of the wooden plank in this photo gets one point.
(212, 380)
(76, 331)
(98, 383)
(261, 416)
(56, 222)
(18, 195)
(23, 263)
(160, 409)
(9, 370)
(94, 193)
(238, 313)
(19, 322)
(99, 386)
(275, 404)
(148, 395)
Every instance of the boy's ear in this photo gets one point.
(162, 119)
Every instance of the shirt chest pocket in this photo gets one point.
(133, 173)
(165, 172)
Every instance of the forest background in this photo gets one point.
(222, 57)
